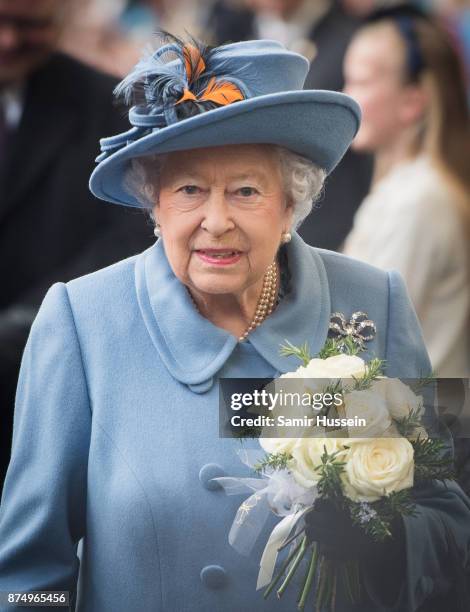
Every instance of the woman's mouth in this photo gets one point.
(219, 257)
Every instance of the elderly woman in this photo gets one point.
(116, 426)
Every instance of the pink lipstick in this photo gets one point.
(219, 257)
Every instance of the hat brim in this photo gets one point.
(319, 125)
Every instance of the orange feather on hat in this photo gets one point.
(193, 61)
(222, 92)
(187, 95)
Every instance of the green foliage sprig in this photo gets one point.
(273, 461)
(301, 352)
(331, 348)
(407, 425)
(376, 518)
(329, 484)
(433, 460)
(339, 346)
(424, 381)
(374, 369)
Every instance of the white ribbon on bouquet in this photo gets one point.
(275, 491)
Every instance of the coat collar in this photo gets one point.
(194, 350)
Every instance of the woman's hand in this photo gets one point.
(340, 539)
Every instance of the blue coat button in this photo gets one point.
(209, 471)
(214, 577)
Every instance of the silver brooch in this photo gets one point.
(359, 327)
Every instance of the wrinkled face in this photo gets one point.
(373, 71)
(29, 30)
(222, 211)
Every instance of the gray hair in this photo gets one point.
(303, 181)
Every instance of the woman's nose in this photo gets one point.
(217, 214)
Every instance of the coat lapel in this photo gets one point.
(190, 346)
(194, 350)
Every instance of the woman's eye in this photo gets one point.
(247, 192)
(190, 189)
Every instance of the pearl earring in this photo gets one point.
(157, 230)
(286, 237)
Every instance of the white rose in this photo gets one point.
(301, 373)
(378, 467)
(295, 374)
(339, 366)
(275, 446)
(325, 371)
(372, 408)
(306, 456)
(399, 397)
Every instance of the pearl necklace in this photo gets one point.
(266, 302)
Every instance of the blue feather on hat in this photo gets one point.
(181, 74)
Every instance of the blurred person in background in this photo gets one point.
(288, 21)
(321, 31)
(95, 33)
(53, 109)
(109, 34)
(406, 75)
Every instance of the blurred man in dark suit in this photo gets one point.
(53, 110)
(321, 31)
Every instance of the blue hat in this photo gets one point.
(188, 96)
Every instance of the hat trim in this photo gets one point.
(161, 136)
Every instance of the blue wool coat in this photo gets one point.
(116, 438)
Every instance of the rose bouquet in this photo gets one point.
(363, 474)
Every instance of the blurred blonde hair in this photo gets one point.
(446, 135)
(443, 132)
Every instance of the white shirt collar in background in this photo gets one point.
(12, 100)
